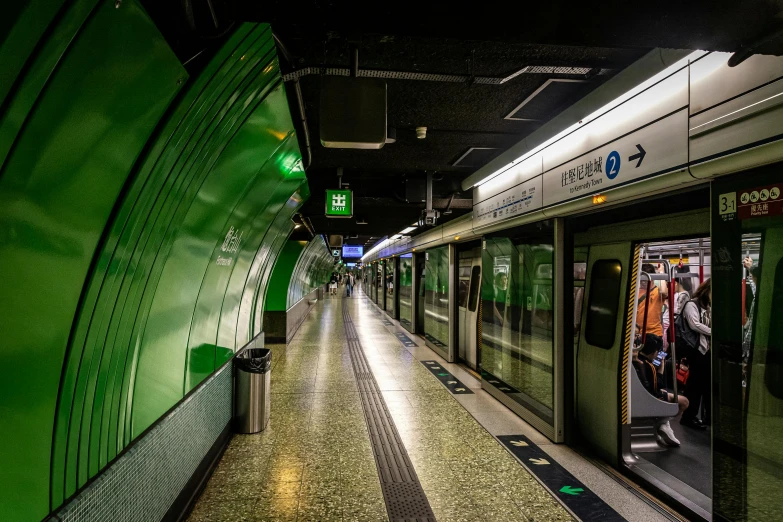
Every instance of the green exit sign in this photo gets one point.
(339, 203)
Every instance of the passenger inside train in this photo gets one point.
(650, 351)
(671, 340)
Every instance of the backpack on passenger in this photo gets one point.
(685, 337)
(687, 340)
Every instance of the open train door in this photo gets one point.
(601, 350)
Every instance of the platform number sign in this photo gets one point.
(727, 203)
(339, 203)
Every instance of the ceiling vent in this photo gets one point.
(550, 98)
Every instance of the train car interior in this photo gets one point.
(662, 443)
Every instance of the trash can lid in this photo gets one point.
(254, 360)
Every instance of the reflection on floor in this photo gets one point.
(690, 462)
(315, 460)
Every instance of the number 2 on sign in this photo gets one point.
(613, 164)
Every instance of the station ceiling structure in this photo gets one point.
(480, 77)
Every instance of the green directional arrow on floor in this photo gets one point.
(570, 490)
(443, 374)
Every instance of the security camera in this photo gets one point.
(428, 217)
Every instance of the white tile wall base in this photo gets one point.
(143, 482)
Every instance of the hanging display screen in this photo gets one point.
(353, 251)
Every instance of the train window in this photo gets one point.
(603, 302)
(462, 293)
(544, 271)
(475, 283)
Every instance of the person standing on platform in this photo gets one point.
(349, 284)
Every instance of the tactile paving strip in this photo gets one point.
(402, 491)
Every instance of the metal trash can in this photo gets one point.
(252, 400)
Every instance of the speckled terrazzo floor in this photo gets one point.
(466, 474)
(315, 461)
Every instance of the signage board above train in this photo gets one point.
(693, 120)
(656, 149)
(645, 135)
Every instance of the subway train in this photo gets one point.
(671, 190)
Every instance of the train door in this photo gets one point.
(390, 286)
(379, 276)
(419, 289)
(627, 405)
(373, 274)
(468, 316)
(747, 346)
(405, 292)
(601, 349)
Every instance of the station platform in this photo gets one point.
(363, 428)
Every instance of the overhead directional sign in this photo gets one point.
(574, 495)
(645, 135)
(515, 201)
(650, 151)
(339, 203)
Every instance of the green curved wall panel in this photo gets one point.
(70, 136)
(301, 267)
(277, 289)
(141, 214)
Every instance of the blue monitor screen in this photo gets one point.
(353, 251)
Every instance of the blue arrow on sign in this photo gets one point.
(570, 490)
